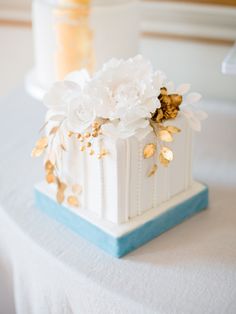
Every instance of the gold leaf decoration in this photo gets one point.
(167, 153)
(76, 189)
(42, 143)
(36, 152)
(50, 178)
(54, 130)
(172, 129)
(49, 167)
(165, 136)
(149, 150)
(61, 185)
(153, 170)
(63, 147)
(69, 133)
(73, 201)
(163, 161)
(40, 146)
(102, 153)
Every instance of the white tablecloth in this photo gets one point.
(46, 269)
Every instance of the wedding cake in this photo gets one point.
(74, 34)
(117, 154)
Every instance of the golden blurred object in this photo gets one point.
(42, 142)
(102, 153)
(76, 188)
(167, 153)
(49, 167)
(163, 160)
(165, 136)
(36, 152)
(54, 130)
(172, 129)
(169, 106)
(50, 178)
(149, 150)
(69, 133)
(73, 201)
(153, 170)
(74, 38)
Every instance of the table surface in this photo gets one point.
(189, 269)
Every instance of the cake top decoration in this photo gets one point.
(125, 98)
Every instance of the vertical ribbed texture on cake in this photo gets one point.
(117, 187)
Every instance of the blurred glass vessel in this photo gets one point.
(74, 34)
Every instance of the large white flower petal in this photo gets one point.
(170, 87)
(192, 98)
(183, 89)
(60, 94)
(201, 115)
(79, 77)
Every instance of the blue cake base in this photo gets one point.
(130, 235)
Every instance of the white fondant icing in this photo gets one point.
(117, 187)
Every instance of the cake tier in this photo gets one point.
(117, 187)
(70, 38)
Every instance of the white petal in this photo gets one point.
(201, 115)
(192, 98)
(170, 87)
(183, 89)
(79, 77)
(195, 124)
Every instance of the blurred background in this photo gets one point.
(187, 39)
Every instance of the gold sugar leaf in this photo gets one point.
(50, 178)
(63, 147)
(167, 153)
(61, 185)
(73, 201)
(54, 130)
(60, 196)
(102, 153)
(173, 129)
(36, 152)
(49, 167)
(163, 161)
(69, 133)
(153, 170)
(76, 189)
(91, 152)
(87, 135)
(149, 150)
(42, 143)
(165, 136)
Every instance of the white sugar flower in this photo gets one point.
(193, 116)
(61, 93)
(81, 114)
